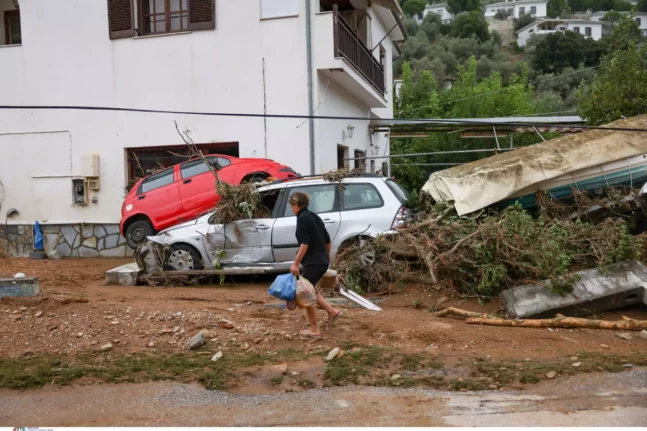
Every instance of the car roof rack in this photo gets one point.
(320, 176)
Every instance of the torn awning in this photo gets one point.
(476, 185)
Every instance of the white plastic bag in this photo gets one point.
(306, 293)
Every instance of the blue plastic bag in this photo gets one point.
(284, 287)
(38, 237)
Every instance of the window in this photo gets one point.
(421, 15)
(522, 11)
(163, 16)
(197, 167)
(533, 10)
(360, 197)
(576, 29)
(146, 161)
(156, 181)
(13, 35)
(360, 164)
(639, 22)
(400, 192)
(159, 16)
(323, 199)
(587, 31)
(279, 8)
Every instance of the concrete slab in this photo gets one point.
(124, 275)
(12, 287)
(615, 286)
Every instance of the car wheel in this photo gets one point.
(137, 232)
(183, 258)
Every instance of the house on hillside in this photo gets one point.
(71, 168)
(440, 9)
(640, 17)
(590, 29)
(518, 8)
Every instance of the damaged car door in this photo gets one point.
(243, 242)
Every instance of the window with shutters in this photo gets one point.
(587, 31)
(151, 17)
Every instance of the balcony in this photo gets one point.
(352, 65)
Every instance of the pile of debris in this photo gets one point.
(483, 255)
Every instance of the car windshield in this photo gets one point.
(400, 192)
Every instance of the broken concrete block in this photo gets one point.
(614, 286)
(125, 275)
(12, 287)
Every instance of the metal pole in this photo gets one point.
(496, 138)
(310, 87)
(430, 154)
(542, 138)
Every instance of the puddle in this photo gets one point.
(270, 379)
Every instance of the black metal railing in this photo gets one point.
(349, 46)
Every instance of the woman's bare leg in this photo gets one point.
(311, 312)
(321, 302)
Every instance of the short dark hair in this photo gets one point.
(300, 199)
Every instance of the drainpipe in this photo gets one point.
(311, 120)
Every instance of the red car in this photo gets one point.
(187, 190)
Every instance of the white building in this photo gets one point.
(439, 9)
(590, 29)
(225, 56)
(518, 8)
(640, 17)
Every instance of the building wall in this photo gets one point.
(523, 36)
(441, 9)
(541, 6)
(208, 71)
(596, 28)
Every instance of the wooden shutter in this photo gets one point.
(202, 14)
(120, 19)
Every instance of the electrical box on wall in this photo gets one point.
(94, 185)
(90, 166)
(79, 191)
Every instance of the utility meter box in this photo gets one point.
(79, 191)
(90, 166)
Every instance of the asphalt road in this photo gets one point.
(584, 400)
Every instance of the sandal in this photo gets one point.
(334, 319)
(307, 334)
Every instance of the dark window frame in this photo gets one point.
(140, 190)
(588, 31)
(167, 14)
(8, 15)
(533, 10)
(576, 30)
(341, 198)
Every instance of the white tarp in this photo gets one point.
(476, 185)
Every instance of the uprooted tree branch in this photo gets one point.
(484, 255)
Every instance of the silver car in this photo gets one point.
(358, 208)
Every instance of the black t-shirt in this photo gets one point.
(312, 232)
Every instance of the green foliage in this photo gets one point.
(523, 21)
(502, 14)
(557, 8)
(556, 51)
(458, 6)
(620, 88)
(414, 7)
(470, 24)
(599, 5)
(641, 6)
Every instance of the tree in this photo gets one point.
(470, 24)
(625, 31)
(641, 6)
(557, 8)
(556, 51)
(502, 14)
(414, 7)
(620, 88)
(523, 20)
(458, 6)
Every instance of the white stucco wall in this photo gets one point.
(524, 35)
(596, 28)
(441, 9)
(541, 6)
(69, 61)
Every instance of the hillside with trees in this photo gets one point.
(463, 70)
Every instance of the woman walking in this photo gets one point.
(314, 255)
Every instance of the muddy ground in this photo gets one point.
(403, 345)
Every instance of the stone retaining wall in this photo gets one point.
(88, 240)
